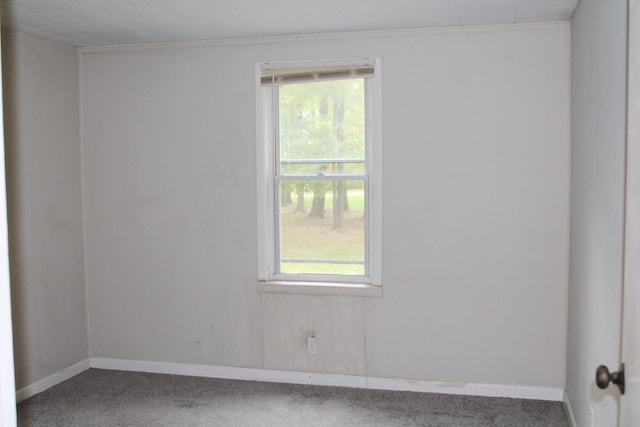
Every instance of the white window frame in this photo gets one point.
(266, 157)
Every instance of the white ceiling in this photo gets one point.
(112, 22)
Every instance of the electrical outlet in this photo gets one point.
(312, 345)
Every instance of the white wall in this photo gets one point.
(44, 201)
(475, 216)
(597, 185)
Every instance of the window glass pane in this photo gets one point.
(322, 227)
(322, 120)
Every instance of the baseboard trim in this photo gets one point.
(467, 389)
(228, 372)
(569, 410)
(376, 383)
(292, 377)
(52, 380)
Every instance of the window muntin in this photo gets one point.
(317, 136)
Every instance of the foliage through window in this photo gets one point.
(317, 138)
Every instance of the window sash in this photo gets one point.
(277, 227)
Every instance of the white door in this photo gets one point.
(629, 401)
(7, 381)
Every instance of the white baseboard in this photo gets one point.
(51, 380)
(569, 410)
(247, 374)
(468, 389)
(252, 374)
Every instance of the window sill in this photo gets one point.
(318, 288)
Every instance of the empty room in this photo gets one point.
(329, 213)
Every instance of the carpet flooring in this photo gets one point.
(114, 398)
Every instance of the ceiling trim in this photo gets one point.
(269, 40)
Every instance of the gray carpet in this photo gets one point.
(114, 398)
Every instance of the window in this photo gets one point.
(319, 172)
